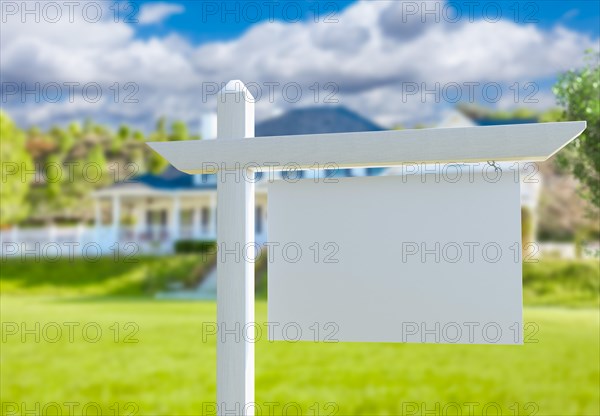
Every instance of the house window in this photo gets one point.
(204, 179)
(187, 217)
(258, 220)
(374, 171)
(187, 223)
(292, 175)
(156, 217)
(156, 223)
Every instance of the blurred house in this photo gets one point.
(152, 212)
(155, 211)
(159, 210)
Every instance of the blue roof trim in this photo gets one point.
(172, 179)
(500, 122)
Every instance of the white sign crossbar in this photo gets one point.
(519, 142)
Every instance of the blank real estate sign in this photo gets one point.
(414, 258)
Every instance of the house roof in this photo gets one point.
(315, 120)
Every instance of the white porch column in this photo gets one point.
(197, 220)
(176, 218)
(235, 276)
(116, 217)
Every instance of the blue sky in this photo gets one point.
(378, 58)
(203, 22)
(207, 21)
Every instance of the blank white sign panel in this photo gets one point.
(396, 259)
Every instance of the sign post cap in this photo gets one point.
(236, 86)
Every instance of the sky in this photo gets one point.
(395, 62)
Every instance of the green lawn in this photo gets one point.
(105, 277)
(548, 282)
(170, 370)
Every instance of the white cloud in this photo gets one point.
(152, 13)
(364, 54)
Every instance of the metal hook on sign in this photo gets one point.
(493, 164)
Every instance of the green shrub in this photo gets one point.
(561, 282)
(195, 246)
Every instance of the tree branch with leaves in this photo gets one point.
(578, 92)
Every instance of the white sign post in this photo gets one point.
(235, 156)
(235, 277)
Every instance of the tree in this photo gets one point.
(578, 92)
(88, 155)
(97, 158)
(179, 131)
(14, 159)
(160, 134)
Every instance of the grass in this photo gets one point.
(170, 370)
(142, 276)
(548, 282)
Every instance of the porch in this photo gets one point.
(130, 222)
(156, 220)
